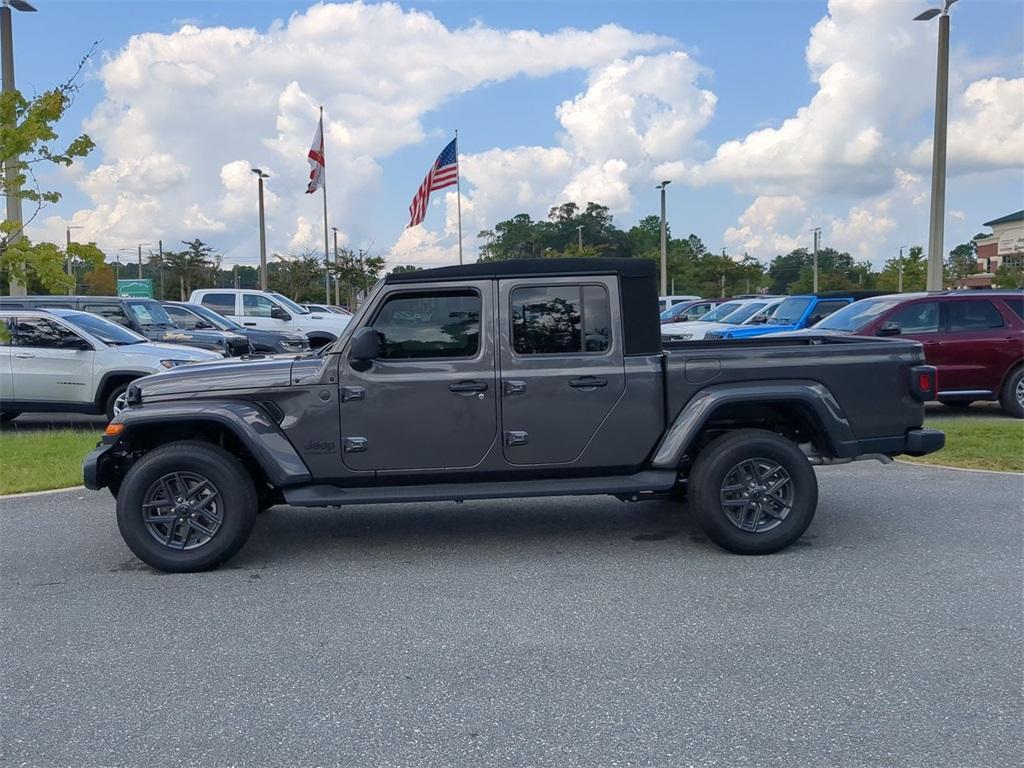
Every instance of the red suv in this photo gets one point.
(974, 338)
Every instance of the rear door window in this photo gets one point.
(222, 303)
(972, 315)
(825, 308)
(560, 319)
(110, 310)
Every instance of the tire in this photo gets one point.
(957, 405)
(225, 505)
(753, 459)
(6, 416)
(1012, 396)
(114, 403)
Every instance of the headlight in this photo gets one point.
(173, 363)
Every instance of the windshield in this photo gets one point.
(676, 310)
(290, 305)
(219, 322)
(744, 313)
(853, 317)
(722, 310)
(104, 330)
(791, 310)
(150, 313)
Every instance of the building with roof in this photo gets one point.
(1004, 246)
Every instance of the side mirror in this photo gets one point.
(365, 348)
(759, 319)
(890, 329)
(279, 314)
(202, 325)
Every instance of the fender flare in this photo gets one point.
(823, 407)
(260, 435)
(101, 387)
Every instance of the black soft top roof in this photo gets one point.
(530, 268)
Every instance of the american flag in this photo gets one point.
(443, 173)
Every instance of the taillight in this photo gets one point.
(924, 382)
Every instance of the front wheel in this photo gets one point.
(116, 401)
(753, 492)
(186, 507)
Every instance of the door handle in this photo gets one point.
(23, 354)
(250, 325)
(588, 382)
(513, 388)
(468, 386)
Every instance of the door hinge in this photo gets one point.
(517, 438)
(355, 444)
(352, 393)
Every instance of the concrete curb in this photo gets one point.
(958, 469)
(41, 493)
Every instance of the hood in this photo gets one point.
(156, 351)
(218, 376)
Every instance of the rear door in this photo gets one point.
(43, 366)
(975, 348)
(6, 383)
(561, 365)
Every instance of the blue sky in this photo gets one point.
(751, 56)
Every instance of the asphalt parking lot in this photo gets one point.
(573, 632)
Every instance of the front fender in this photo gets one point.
(810, 394)
(260, 435)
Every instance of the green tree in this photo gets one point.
(915, 272)
(1010, 275)
(28, 133)
(100, 280)
(963, 261)
(405, 268)
(193, 267)
(357, 272)
(298, 276)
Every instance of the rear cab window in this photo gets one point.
(1015, 304)
(560, 319)
(112, 311)
(221, 303)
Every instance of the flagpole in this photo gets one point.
(458, 190)
(323, 186)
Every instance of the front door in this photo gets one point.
(561, 366)
(429, 401)
(46, 366)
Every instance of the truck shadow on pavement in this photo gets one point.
(492, 527)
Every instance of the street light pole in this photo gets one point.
(337, 284)
(67, 254)
(12, 189)
(263, 231)
(579, 237)
(140, 261)
(899, 272)
(938, 208)
(664, 241)
(817, 237)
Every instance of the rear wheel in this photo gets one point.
(186, 507)
(753, 492)
(1012, 396)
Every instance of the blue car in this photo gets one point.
(795, 313)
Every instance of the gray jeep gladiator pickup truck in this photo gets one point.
(508, 379)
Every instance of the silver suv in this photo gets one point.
(70, 361)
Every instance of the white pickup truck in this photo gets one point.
(271, 311)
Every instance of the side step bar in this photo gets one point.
(334, 496)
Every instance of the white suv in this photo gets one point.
(271, 312)
(64, 360)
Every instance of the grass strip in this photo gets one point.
(42, 461)
(978, 443)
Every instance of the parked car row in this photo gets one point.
(975, 339)
(80, 353)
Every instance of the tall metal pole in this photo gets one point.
(899, 284)
(579, 237)
(12, 190)
(458, 191)
(337, 285)
(160, 252)
(935, 227)
(140, 261)
(263, 241)
(817, 235)
(664, 242)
